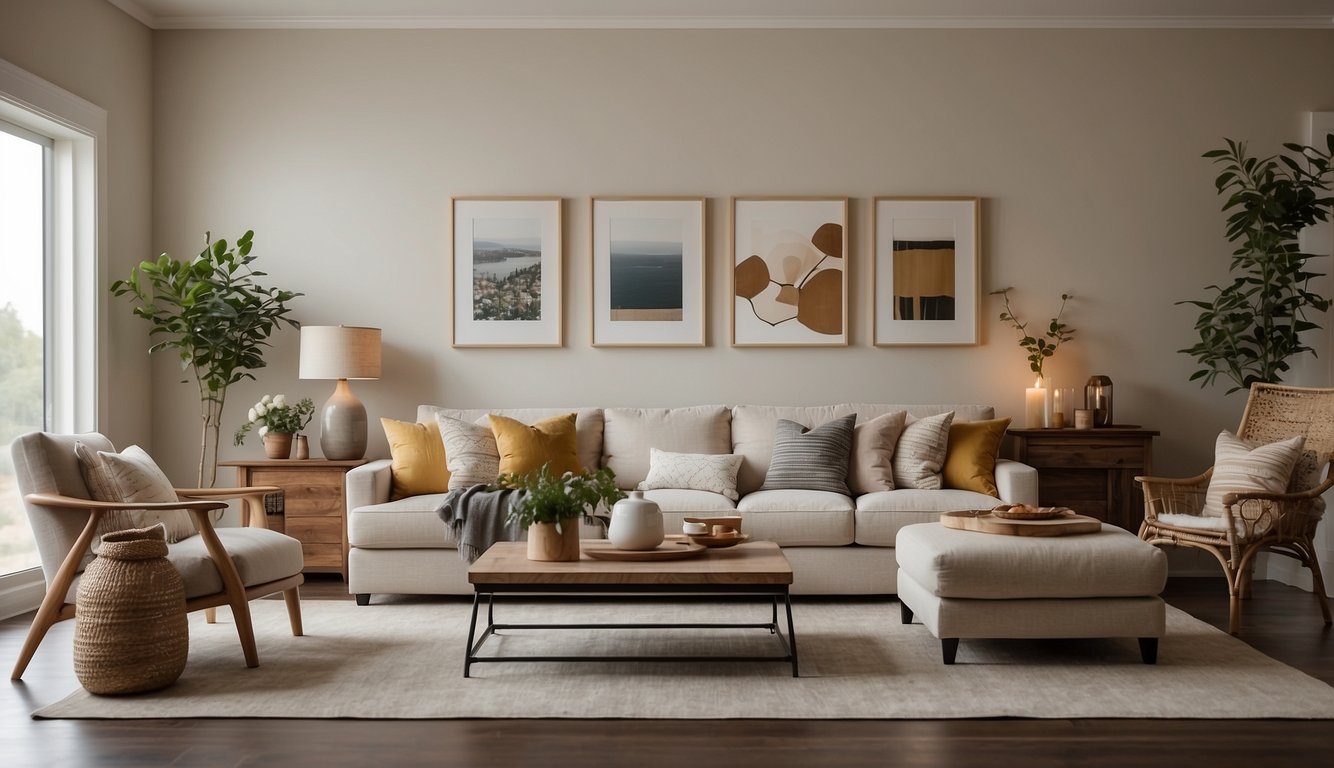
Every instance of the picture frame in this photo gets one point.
(925, 271)
(648, 261)
(505, 267)
(789, 271)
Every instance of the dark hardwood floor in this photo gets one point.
(1281, 621)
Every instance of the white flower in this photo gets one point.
(261, 409)
(263, 431)
(266, 399)
(253, 415)
(280, 400)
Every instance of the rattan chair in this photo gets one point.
(1283, 523)
(222, 566)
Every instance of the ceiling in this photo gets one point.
(557, 14)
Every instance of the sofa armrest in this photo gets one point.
(369, 484)
(1016, 483)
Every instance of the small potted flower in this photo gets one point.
(278, 421)
(551, 506)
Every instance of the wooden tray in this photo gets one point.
(668, 550)
(712, 542)
(983, 521)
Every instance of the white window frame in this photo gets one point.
(76, 329)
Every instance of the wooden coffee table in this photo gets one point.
(754, 568)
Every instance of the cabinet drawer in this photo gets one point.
(322, 555)
(316, 530)
(1084, 455)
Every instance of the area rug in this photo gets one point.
(404, 660)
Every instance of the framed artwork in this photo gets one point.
(925, 271)
(789, 282)
(505, 261)
(648, 271)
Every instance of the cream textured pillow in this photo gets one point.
(470, 451)
(873, 441)
(131, 475)
(920, 452)
(1240, 469)
(692, 472)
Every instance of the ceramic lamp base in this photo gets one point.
(343, 425)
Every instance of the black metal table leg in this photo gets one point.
(791, 633)
(472, 630)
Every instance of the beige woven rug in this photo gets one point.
(404, 660)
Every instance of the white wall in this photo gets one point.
(342, 148)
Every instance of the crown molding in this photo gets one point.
(137, 12)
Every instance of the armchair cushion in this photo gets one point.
(1238, 468)
(129, 476)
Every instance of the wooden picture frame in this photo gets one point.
(789, 271)
(505, 267)
(925, 271)
(647, 278)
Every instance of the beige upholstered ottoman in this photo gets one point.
(965, 584)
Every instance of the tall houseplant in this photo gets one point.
(218, 319)
(1253, 325)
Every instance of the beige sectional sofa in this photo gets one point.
(838, 545)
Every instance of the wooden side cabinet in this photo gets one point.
(1092, 471)
(314, 504)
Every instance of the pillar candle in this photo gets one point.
(1035, 406)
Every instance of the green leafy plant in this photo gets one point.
(216, 316)
(274, 414)
(556, 499)
(1038, 347)
(1252, 326)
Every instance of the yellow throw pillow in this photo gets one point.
(970, 457)
(524, 449)
(418, 456)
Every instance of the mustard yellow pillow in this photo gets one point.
(524, 449)
(970, 456)
(418, 456)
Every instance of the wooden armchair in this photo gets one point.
(1283, 523)
(220, 566)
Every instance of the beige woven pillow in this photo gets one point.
(131, 475)
(470, 451)
(873, 443)
(1238, 468)
(920, 452)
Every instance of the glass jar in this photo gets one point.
(1098, 398)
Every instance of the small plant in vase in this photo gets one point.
(1039, 348)
(277, 422)
(551, 506)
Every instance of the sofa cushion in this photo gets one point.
(813, 459)
(970, 456)
(796, 518)
(871, 465)
(753, 435)
(629, 433)
(471, 453)
(880, 515)
(686, 502)
(693, 471)
(920, 452)
(587, 424)
(418, 455)
(410, 523)
(526, 448)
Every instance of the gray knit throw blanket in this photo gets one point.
(478, 518)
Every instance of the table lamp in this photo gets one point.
(341, 352)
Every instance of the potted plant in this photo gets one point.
(277, 422)
(551, 506)
(218, 319)
(1253, 325)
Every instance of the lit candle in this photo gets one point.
(1057, 419)
(1035, 405)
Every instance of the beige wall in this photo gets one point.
(95, 51)
(342, 149)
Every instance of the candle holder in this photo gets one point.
(1098, 399)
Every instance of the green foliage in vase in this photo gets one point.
(1253, 325)
(556, 499)
(1039, 347)
(216, 316)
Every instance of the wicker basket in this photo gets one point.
(130, 633)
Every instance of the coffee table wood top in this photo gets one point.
(755, 562)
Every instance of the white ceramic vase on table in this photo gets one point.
(636, 523)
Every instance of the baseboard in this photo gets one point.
(21, 592)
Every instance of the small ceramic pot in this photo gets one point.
(636, 523)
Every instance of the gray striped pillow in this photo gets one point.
(815, 460)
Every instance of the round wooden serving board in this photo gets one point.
(983, 521)
(668, 550)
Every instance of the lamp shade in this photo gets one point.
(339, 352)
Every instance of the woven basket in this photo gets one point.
(130, 632)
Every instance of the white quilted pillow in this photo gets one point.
(131, 475)
(692, 472)
(1240, 469)
(470, 452)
